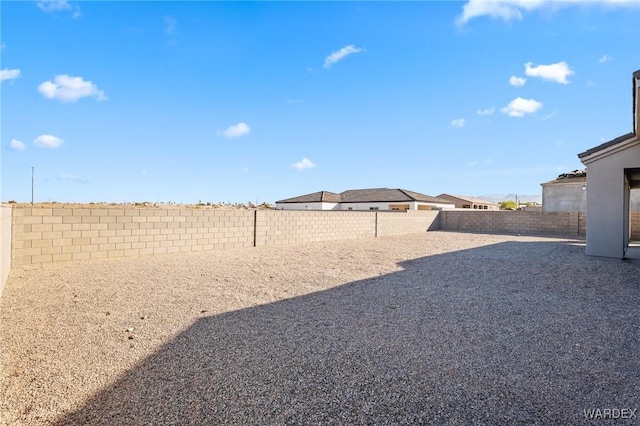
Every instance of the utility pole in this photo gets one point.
(32, 168)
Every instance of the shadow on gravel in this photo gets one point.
(513, 333)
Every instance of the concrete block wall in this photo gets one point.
(566, 224)
(54, 234)
(42, 234)
(634, 224)
(5, 244)
(45, 234)
(280, 227)
(412, 221)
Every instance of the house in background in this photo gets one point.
(566, 193)
(469, 202)
(365, 199)
(322, 200)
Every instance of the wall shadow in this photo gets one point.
(512, 333)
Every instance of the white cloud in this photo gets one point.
(57, 6)
(484, 112)
(506, 10)
(47, 141)
(509, 10)
(236, 130)
(479, 162)
(554, 72)
(7, 74)
(71, 178)
(17, 145)
(605, 58)
(54, 5)
(170, 25)
(305, 163)
(341, 54)
(458, 122)
(69, 89)
(517, 81)
(519, 107)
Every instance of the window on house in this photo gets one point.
(373, 208)
(349, 208)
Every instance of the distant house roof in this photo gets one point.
(315, 197)
(576, 176)
(472, 200)
(385, 195)
(373, 195)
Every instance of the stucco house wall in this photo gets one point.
(607, 233)
(383, 206)
(571, 197)
(609, 188)
(564, 197)
(323, 205)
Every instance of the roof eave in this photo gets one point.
(618, 144)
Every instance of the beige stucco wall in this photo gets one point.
(607, 233)
(569, 197)
(564, 197)
(5, 244)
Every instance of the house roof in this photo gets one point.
(315, 197)
(576, 176)
(605, 145)
(373, 195)
(385, 195)
(472, 200)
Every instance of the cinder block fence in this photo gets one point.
(31, 235)
(565, 224)
(42, 234)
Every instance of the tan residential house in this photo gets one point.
(462, 202)
(365, 199)
(566, 193)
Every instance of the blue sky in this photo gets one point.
(260, 101)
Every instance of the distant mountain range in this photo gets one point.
(496, 198)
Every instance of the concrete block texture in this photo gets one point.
(564, 224)
(89, 233)
(6, 242)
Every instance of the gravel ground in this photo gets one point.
(435, 328)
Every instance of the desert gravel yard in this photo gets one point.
(433, 328)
